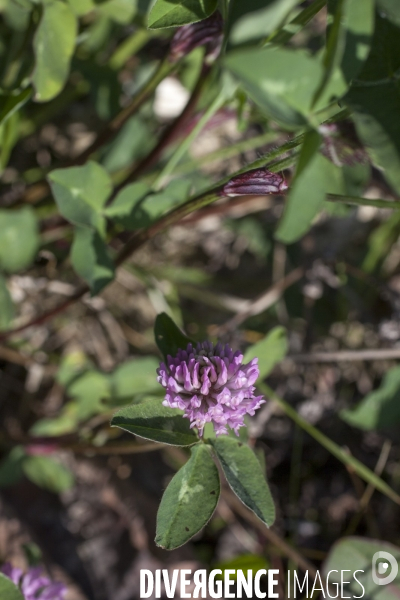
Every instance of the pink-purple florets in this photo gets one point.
(211, 385)
(33, 584)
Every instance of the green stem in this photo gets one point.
(226, 153)
(185, 145)
(297, 24)
(378, 202)
(347, 459)
(129, 47)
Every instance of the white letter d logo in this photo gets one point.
(383, 567)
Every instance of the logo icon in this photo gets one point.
(378, 570)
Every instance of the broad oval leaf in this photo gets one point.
(379, 409)
(315, 177)
(391, 9)
(169, 338)
(358, 554)
(53, 44)
(136, 376)
(81, 192)
(375, 100)
(245, 476)
(6, 305)
(126, 207)
(153, 421)
(12, 102)
(189, 501)
(91, 259)
(269, 351)
(8, 590)
(19, 239)
(48, 473)
(281, 81)
(174, 13)
(256, 18)
(11, 467)
(134, 207)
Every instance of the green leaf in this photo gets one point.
(269, 351)
(71, 366)
(375, 101)
(91, 259)
(81, 192)
(125, 209)
(315, 177)
(356, 554)
(153, 421)
(169, 338)
(8, 590)
(282, 82)
(244, 562)
(256, 18)
(134, 208)
(333, 49)
(120, 11)
(376, 116)
(244, 475)
(136, 376)
(174, 13)
(189, 501)
(379, 409)
(390, 8)
(48, 473)
(355, 34)
(81, 7)
(53, 45)
(381, 241)
(131, 143)
(11, 467)
(66, 422)
(6, 305)
(18, 240)
(11, 103)
(89, 390)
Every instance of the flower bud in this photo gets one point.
(204, 33)
(258, 182)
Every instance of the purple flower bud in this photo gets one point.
(204, 33)
(33, 584)
(259, 182)
(211, 385)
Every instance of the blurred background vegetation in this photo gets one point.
(85, 79)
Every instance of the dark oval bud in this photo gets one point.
(204, 33)
(259, 182)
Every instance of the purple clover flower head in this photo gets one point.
(33, 584)
(258, 182)
(211, 385)
(204, 33)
